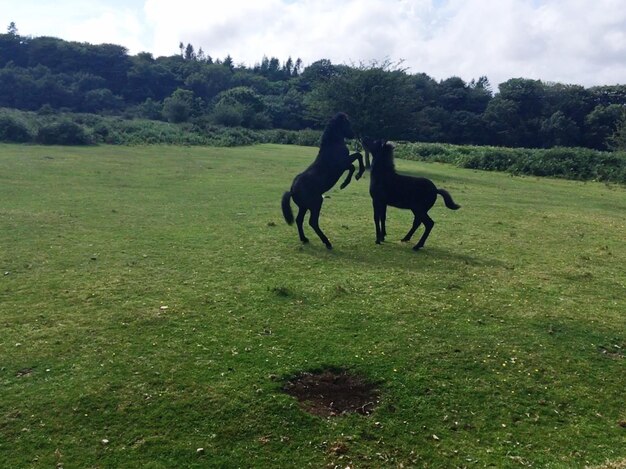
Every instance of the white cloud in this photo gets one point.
(569, 41)
(579, 41)
(341, 30)
(95, 22)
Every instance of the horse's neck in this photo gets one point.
(383, 167)
(330, 137)
(330, 151)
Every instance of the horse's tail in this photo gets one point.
(447, 198)
(287, 213)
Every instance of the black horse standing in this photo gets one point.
(387, 187)
(331, 162)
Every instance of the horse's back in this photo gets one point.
(408, 192)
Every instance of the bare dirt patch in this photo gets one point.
(329, 393)
(613, 351)
(24, 372)
(620, 464)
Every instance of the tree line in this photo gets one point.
(48, 74)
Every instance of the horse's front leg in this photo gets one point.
(351, 170)
(359, 158)
(378, 217)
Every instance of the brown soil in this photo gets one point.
(24, 372)
(615, 352)
(333, 392)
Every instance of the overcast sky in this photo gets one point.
(567, 41)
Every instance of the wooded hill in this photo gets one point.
(48, 75)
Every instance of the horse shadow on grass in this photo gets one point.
(394, 255)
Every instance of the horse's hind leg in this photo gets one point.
(383, 221)
(299, 222)
(428, 224)
(376, 222)
(416, 223)
(314, 222)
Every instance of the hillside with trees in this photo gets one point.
(48, 76)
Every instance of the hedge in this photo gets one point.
(570, 163)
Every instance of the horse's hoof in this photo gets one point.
(405, 240)
(305, 240)
(329, 246)
(378, 241)
(417, 247)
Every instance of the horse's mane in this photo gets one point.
(333, 131)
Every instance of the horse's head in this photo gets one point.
(368, 144)
(381, 150)
(338, 128)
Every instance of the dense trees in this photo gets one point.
(383, 99)
(617, 141)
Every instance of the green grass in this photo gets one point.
(154, 297)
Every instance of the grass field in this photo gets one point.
(153, 302)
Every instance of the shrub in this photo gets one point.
(13, 129)
(308, 138)
(150, 109)
(64, 132)
(180, 106)
(260, 120)
(100, 99)
(569, 163)
(46, 110)
(229, 115)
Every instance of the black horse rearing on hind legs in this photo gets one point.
(390, 188)
(331, 162)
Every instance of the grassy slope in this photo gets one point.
(491, 338)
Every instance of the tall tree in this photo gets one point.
(601, 124)
(378, 98)
(529, 97)
(297, 68)
(209, 81)
(190, 53)
(617, 141)
(180, 106)
(559, 130)
(229, 63)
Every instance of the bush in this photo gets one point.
(308, 138)
(84, 128)
(100, 99)
(150, 109)
(13, 129)
(259, 121)
(569, 163)
(227, 114)
(64, 132)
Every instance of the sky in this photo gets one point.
(566, 41)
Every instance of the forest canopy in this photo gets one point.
(47, 74)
